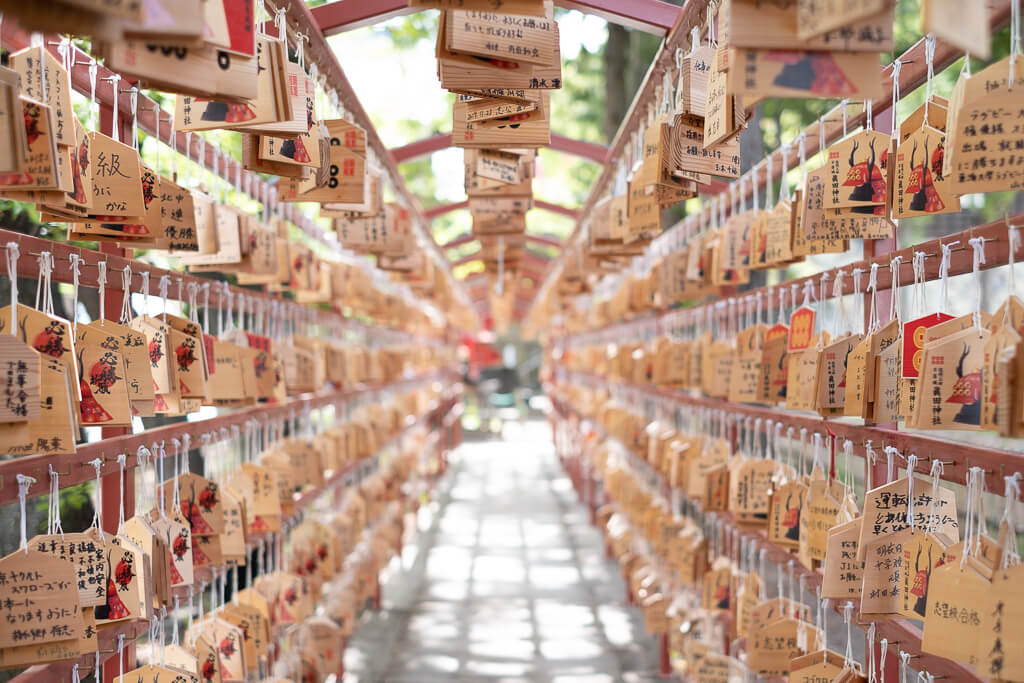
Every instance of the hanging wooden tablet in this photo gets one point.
(13, 144)
(720, 106)
(117, 182)
(1001, 618)
(132, 346)
(774, 365)
(776, 236)
(103, 377)
(225, 380)
(263, 107)
(189, 367)
(856, 172)
(746, 379)
(746, 23)
(749, 491)
(200, 503)
(922, 553)
(802, 375)
(949, 389)
(821, 665)
(122, 600)
(953, 619)
(773, 646)
(176, 534)
(784, 515)
(49, 335)
(157, 352)
(184, 659)
(40, 167)
(842, 572)
(303, 150)
(803, 74)
(138, 530)
(255, 626)
(644, 214)
(815, 17)
(55, 430)
(691, 90)
(228, 639)
(886, 358)
(201, 71)
(689, 154)
(53, 613)
(981, 155)
(1003, 338)
(818, 514)
(86, 552)
(258, 486)
(527, 133)
(501, 36)
(912, 354)
(482, 109)
(226, 226)
(178, 215)
(921, 188)
(966, 30)
(938, 116)
(832, 379)
(30, 64)
(885, 512)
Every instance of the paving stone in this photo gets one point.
(504, 581)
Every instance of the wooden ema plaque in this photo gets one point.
(41, 604)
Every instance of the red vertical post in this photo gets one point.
(882, 122)
(341, 659)
(666, 662)
(111, 482)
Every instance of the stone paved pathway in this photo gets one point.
(505, 581)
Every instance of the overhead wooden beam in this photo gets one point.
(435, 143)
(466, 238)
(546, 240)
(650, 16)
(420, 148)
(587, 150)
(556, 208)
(435, 211)
(346, 15)
(441, 209)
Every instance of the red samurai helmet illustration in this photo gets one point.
(967, 392)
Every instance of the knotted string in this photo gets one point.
(946, 250)
(126, 298)
(12, 275)
(24, 482)
(978, 244)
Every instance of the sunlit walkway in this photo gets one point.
(506, 581)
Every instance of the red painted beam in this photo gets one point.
(651, 16)
(469, 258)
(466, 238)
(546, 240)
(435, 211)
(439, 141)
(419, 148)
(587, 150)
(440, 209)
(556, 208)
(346, 15)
